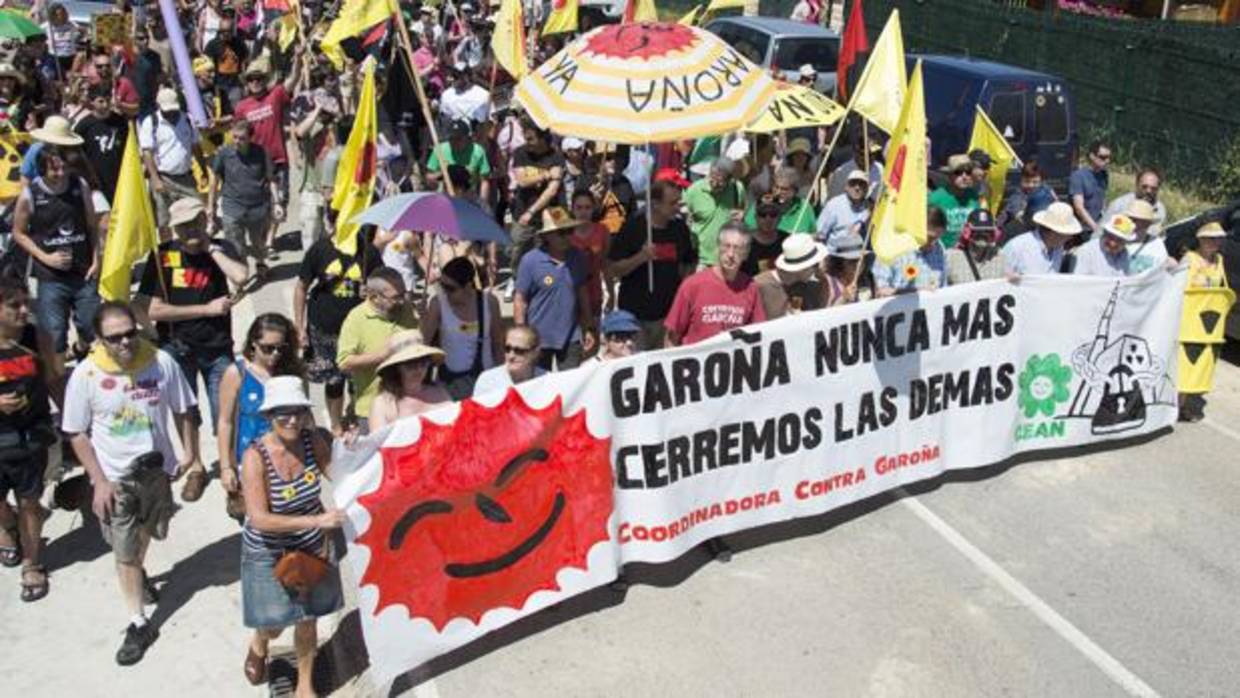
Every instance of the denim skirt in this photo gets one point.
(266, 603)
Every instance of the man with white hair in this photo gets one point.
(718, 298)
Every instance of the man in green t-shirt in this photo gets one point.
(796, 214)
(712, 202)
(461, 150)
(958, 199)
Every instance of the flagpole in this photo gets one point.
(826, 157)
(407, 44)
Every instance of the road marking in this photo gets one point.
(1127, 680)
(1225, 431)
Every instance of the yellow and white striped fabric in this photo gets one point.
(648, 82)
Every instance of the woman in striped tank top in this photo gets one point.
(282, 475)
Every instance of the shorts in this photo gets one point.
(247, 229)
(143, 504)
(322, 368)
(23, 475)
(265, 603)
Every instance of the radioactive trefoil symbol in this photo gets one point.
(1043, 385)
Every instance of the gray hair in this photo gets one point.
(788, 176)
(734, 229)
(723, 166)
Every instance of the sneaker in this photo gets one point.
(150, 595)
(137, 640)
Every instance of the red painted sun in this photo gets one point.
(641, 40)
(481, 513)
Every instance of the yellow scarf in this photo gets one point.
(142, 358)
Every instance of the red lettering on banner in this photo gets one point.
(808, 489)
(887, 464)
(669, 531)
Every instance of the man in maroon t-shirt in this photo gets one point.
(264, 107)
(717, 298)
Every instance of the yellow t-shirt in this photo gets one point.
(364, 331)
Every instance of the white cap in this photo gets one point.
(807, 71)
(737, 149)
(572, 143)
(858, 176)
(167, 99)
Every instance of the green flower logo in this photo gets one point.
(1043, 385)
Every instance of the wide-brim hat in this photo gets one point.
(556, 218)
(799, 145)
(1140, 210)
(1213, 229)
(1059, 218)
(1120, 226)
(185, 210)
(800, 252)
(56, 131)
(284, 391)
(408, 346)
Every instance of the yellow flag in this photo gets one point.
(988, 138)
(899, 224)
(640, 11)
(355, 174)
(508, 40)
(563, 17)
(355, 17)
(131, 227)
(691, 17)
(879, 93)
(287, 26)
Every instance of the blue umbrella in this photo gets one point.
(435, 212)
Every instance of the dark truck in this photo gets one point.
(1033, 110)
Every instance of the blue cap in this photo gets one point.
(620, 321)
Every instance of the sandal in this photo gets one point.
(34, 592)
(11, 555)
(255, 667)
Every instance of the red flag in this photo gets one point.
(854, 43)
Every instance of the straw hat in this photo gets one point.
(1213, 229)
(958, 162)
(799, 145)
(407, 346)
(1140, 210)
(57, 131)
(800, 252)
(1122, 227)
(1058, 218)
(556, 218)
(284, 391)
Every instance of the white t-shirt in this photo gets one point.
(127, 416)
(398, 255)
(472, 104)
(1146, 255)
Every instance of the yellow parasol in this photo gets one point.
(647, 82)
(797, 106)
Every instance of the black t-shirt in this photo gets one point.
(58, 222)
(524, 197)
(673, 250)
(21, 374)
(104, 146)
(761, 255)
(190, 279)
(335, 282)
(146, 71)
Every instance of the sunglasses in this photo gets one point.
(519, 351)
(768, 214)
(122, 337)
(286, 414)
(622, 337)
(270, 349)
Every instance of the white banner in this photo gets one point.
(489, 510)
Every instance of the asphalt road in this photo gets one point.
(1088, 574)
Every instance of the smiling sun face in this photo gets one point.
(481, 513)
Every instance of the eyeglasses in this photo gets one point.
(962, 171)
(270, 349)
(121, 337)
(622, 337)
(768, 214)
(519, 351)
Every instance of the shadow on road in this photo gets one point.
(217, 565)
(349, 653)
(82, 544)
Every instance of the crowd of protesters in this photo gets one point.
(734, 233)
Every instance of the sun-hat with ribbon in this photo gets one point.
(1120, 226)
(556, 218)
(800, 252)
(407, 346)
(1213, 229)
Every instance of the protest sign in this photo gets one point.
(489, 510)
